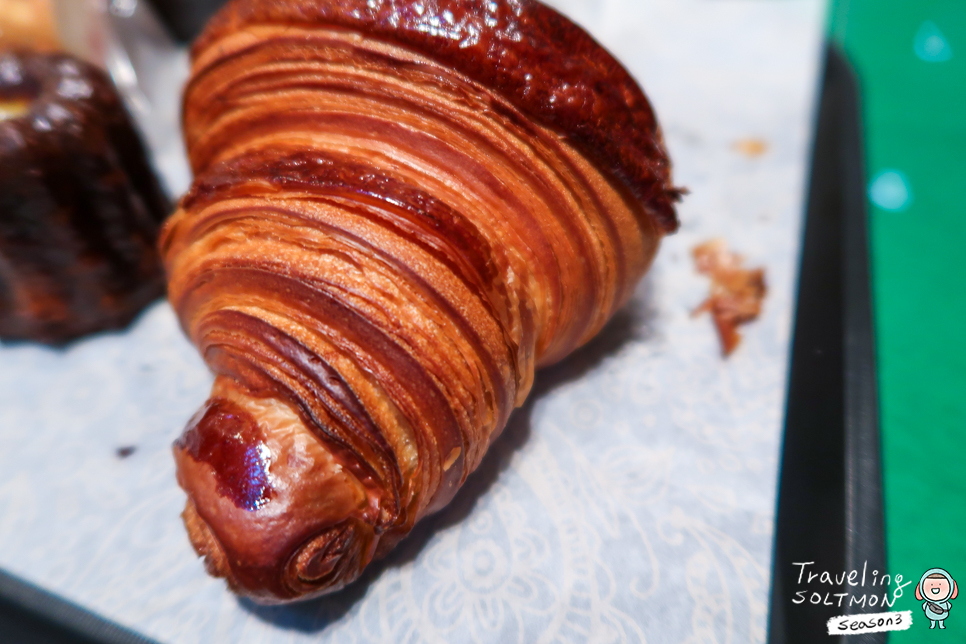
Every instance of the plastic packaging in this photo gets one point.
(126, 38)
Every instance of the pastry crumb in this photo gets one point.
(736, 292)
(751, 147)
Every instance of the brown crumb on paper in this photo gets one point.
(736, 292)
(751, 147)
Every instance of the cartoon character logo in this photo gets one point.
(935, 589)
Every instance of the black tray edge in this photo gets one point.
(830, 503)
(30, 615)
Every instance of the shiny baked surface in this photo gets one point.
(378, 252)
(80, 207)
(545, 65)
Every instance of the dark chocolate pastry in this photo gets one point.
(401, 210)
(80, 206)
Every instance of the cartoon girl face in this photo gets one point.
(936, 589)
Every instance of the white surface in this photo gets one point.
(632, 499)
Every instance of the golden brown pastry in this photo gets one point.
(401, 210)
(80, 207)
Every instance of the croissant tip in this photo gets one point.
(205, 543)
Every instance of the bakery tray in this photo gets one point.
(830, 507)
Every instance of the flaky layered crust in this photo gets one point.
(381, 246)
(547, 66)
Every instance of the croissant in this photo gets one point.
(401, 210)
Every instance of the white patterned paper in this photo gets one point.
(632, 498)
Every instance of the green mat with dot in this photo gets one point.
(910, 57)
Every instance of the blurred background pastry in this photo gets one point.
(80, 206)
(28, 24)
